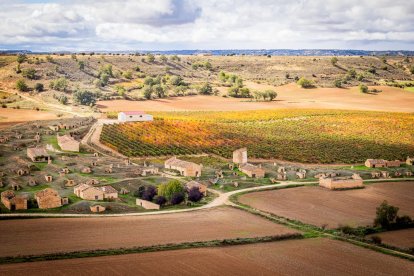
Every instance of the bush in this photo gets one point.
(149, 193)
(21, 58)
(163, 59)
(194, 194)
(363, 88)
(59, 84)
(150, 57)
(84, 97)
(148, 92)
(376, 239)
(338, 83)
(21, 85)
(127, 74)
(140, 191)
(334, 60)
(205, 89)
(372, 70)
(81, 65)
(177, 198)
(160, 200)
(29, 73)
(385, 215)
(412, 69)
(39, 87)
(159, 90)
(304, 83)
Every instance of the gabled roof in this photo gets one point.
(108, 189)
(65, 139)
(37, 152)
(250, 167)
(180, 163)
(46, 192)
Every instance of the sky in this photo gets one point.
(109, 25)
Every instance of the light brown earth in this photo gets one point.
(399, 238)
(10, 116)
(294, 257)
(289, 96)
(40, 236)
(320, 206)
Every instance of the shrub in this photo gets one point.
(376, 239)
(205, 89)
(29, 73)
(385, 215)
(177, 198)
(21, 85)
(338, 83)
(49, 58)
(360, 77)
(304, 83)
(103, 79)
(403, 222)
(363, 88)
(127, 74)
(334, 60)
(372, 70)
(149, 193)
(163, 59)
(81, 65)
(140, 191)
(194, 194)
(84, 97)
(352, 73)
(59, 84)
(160, 200)
(150, 57)
(148, 92)
(21, 58)
(106, 69)
(39, 87)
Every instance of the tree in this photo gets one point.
(21, 85)
(176, 81)
(150, 58)
(140, 191)
(205, 89)
(104, 79)
(334, 61)
(159, 90)
(338, 83)
(160, 200)
(84, 97)
(169, 189)
(21, 58)
(81, 65)
(177, 198)
(106, 69)
(363, 88)
(59, 84)
(304, 83)
(271, 94)
(149, 193)
(385, 215)
(148, 90)
(29, 73)
(39, 87)
(194, 194)
(149, 81)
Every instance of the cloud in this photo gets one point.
(219, 24)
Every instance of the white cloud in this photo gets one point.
(168, 24)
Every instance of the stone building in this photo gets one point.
(409, 161)
(38, 154)
(381, 163)
(240, 156)
(355, 181)
(201, 187)
(89, 192)
(67, 143)
(184, 167)
(147, 204)
(13, 202)
(48, 198)
(252, 170)
(97, 208)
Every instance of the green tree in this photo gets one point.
(149, 81)
(59, 84)
(363, 88)
(49, 58)
(84, 97)
(169, 189)
(106, 69)
(104, 79)
(208, 66)
(352, 73)
(334, 60)
(205, 89)
(385, 215)
(29, 73)
(159, 90)
(304, 83)
(21, 85)
(148, 90)
(271, 94)
(21, 58)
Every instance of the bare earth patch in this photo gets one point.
(399, 238)
(294, 257)
(289, 96)
(49, 235)
(10, 116)
(319, 206)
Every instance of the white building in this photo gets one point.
(134, 116)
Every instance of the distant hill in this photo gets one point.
(272, 52)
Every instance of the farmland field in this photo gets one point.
(309, 136)
(399, 238)
(294, 257)
(319, 206)
(50, 235)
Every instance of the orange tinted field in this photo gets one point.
(295, 257)
(399, 238)
(39, 236)
(10, 116)
(319, 206)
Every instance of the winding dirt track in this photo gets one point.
(319, 206)
(293, 257)
(50, 235)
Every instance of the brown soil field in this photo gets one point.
(319, 206)
(289, 96)
(40, 236)
(294, 257)
(13, 116)
(399, 238)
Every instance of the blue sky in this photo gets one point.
(51, 25)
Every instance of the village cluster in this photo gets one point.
(54, 159)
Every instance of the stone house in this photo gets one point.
(381, 163)
(240, 156)
(49, 178)
(89, 192)
(147, 204)
(67, 143)
(109, 192)
(13, 202)
(86, 170)
(146, 171)
(355, 181)
(252, 170)
(301, 174)
(409, 161)
(201, 187)
(97, 208)
(184, 167)
(375, 174)
(282, 176)
(38, 154)
(22, 171)
(32, 182)
(48, 198)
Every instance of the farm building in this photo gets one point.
(240, 156)
(146, 171)
(97, 209)
(67, 143)
(13, 202)
(355, 181)
(134, 116)
(409, 161)
(48, 198)
(252, 170)
(38, 154)
(147, 204)
(88, 192)
(381, 163)
(201, 187)
(184, 167)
